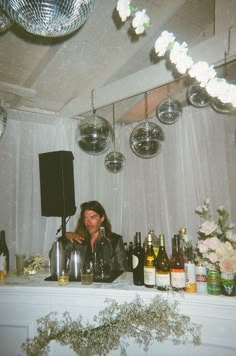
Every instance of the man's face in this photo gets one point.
(92, 221)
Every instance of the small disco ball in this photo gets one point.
(49, 18)
(145, 140)
(169, 111)
(197, 96)
(222, 108)
(94, 135)
(5, 21)
(114, 162)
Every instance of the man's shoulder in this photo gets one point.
(113, 235)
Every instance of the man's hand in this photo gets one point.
(73, 236)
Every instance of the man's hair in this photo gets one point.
(98, 208)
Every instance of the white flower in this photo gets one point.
(178, 56)
(203, 72)
(208, 227)
(164, 42)
(140, 20)
(123, 8)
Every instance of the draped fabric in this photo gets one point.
(197, 161)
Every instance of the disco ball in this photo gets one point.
(197, 96)
(222, 108)
(5, 21)
(114, 162)
(50, 18)
(94, 135)
(3, 119)
(145, 140)
(168, 111)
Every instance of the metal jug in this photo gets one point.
(74, 265)
(57, 258)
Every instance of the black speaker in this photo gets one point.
(57, 183)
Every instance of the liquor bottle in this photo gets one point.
(4, 256)
(129, 256)
(138, 261)
(177, 274)
(155, 242)
(190, 271)
(102, 256)
(149, 264)
(162, 266)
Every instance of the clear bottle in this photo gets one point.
(4, 256)
(138, 261)
(183, 240)
(162, 267)
(177, 274)
(149, 264)
(190, 271)
(155, 242)
(102, 256)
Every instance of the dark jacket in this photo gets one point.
(119, 257)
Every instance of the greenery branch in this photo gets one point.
(158, 320)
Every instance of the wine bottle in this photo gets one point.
(162, 266)
(129, 256)
(155, 242)
(182, 242)
(149, 264)
(4, 256)
(177, 267)
(138, 261)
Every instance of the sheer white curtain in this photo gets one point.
(160, 193)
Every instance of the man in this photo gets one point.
(92, 217)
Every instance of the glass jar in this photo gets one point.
(213, 282)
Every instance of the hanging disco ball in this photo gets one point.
(49, 18)
(114, 162)
(94, 135)
(197, 96)
(168, 111)
(3, 119)
(145, 140)
(5, 21)
(222, 108)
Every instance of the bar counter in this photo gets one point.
(24, 300)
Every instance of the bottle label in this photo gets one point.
(178, 278)
(149, 276)
(163, 279)
(135, 261)
(190, 277)
(3, 264)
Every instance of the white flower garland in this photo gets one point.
(204, 73)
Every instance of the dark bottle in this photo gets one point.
(102, 256)
(129, 256)
(177, 267)
(162, 266)
(4, 255)
(138, 261)
(149, 264)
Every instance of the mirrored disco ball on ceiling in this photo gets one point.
(94, 135)
(49, 18)
(222, 108)
(114, 162)
(5, 21)
(198, 96)
(169, 111)
(145, 139)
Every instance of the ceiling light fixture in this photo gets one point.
(49, 18)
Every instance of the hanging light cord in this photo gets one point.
(92, 101)
(146, 105)
(226, 53)
(114, 131)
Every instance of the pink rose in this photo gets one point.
(228, 265)
(213, 243)
(208, 227)
(213, 257)
(203, 248)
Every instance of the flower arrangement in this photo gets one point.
(217, 244)
(204, 73)
(143, 322)
(34, 264)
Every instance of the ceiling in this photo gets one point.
(56, 76)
